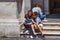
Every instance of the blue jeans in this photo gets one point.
(42, 17)
(28, 27)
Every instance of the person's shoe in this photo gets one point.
(45, 20)
(31, 36)
(35, 33)
(21, 32)
(27, 32)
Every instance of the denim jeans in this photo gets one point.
(28, 27)
(42, 17)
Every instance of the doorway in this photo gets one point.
(54, 6)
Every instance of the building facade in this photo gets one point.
(12, 10)
(50, 7)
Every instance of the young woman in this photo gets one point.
(28, 23)
(36, 23)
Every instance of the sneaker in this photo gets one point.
(45, 20)
(27, 32)
(21, 32)
(31, 36)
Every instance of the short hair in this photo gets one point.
(34, 14)
(39, 5)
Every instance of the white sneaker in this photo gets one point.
(26, 31)
(45, 20)
(31, 36)
(21, 32)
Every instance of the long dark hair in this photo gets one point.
(27, 15)
(30, 13)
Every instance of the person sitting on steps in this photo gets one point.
(28, 23)
(37, 9)
(36, 23)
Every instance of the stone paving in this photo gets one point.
(46, 38)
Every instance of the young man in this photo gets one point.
(39, 11)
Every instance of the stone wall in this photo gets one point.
(8, 10)
(9, 24)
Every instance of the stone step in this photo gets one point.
(51, 24)
(51, 28)
(47, 33)
(51, 32)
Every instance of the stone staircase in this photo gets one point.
(51, 29)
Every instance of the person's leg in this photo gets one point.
(41, 25)
(42, 17)
(26, 27)
(30, 32)
(32, 26)
(40, 29)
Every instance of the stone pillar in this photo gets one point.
(46, 6)
(26, 5)
(9, 24)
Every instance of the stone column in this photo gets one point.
(9, 24)
(46, 6)
(26, 5)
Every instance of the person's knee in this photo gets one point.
(32, 25)
(40, 25)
